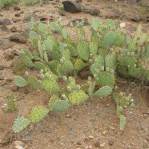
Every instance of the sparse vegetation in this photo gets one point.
(107, 53)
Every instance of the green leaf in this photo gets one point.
(95, 24)
(103, 91)
(38, 113)
(105, 78)
(113, 38)
(51, 86)
(122, 122)
(110, 61)
(58, 105)
(79, 64)
(33, 82)
(77, 97)
(20, 81)
(83, 50)
(93, 47)
(20, 124)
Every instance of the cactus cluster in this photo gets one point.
(133, 60)
(107, 52)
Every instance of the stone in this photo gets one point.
(110, 142)
(5, 44)
(4, 28)
(5, 21)
(16, 8)
(13, 29)
(17, 15)
(97, 144)
(18, 38)
(71, 6)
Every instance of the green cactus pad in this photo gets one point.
(105, 78)
(58, 105)
(77, 97)
(51, 86)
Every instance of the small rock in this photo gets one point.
(91, 10)
(17, 15)
(68, 116)
(14, 88)
(1, 76)
(4, 28)
(97, 144)
(112, 14)
(15, 20)
(91, 137)
(19, 145)
(71, 6)
(18, 37)
(13, 29)
(17, 8)
(94, 12)
(78, 143)
(88, 147)
(5, 44)
(10, 54)
(5, 21)
(122, 25)
(2, 67)
(104, 132)
(102, 144)
(111, 142)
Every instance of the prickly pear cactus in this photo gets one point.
(72, 85)
(50, 84)
(56, 104)
(79, 64)
(83, 50)
(103, 70)
(77, 97)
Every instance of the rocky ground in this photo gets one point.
(90, 126)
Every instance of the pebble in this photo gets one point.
(5, 21)
(18, 37)
(13, 29)
(1, 67)
(68, 116)
(104, 132)
(19, 145)
(72, 7)
(122, 25)
(17, 15)
(88, 147)
(91, 137)
(16, 8)
(110, 142)
(102, 144)
(97, 144)
(5, 44)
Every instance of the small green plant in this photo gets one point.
(5, 3)
(20, 124)
(11, 105)
(77, 97)
(20, 81)
(38, 113)
(50, 83)
(122, 102)
(59, 104)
